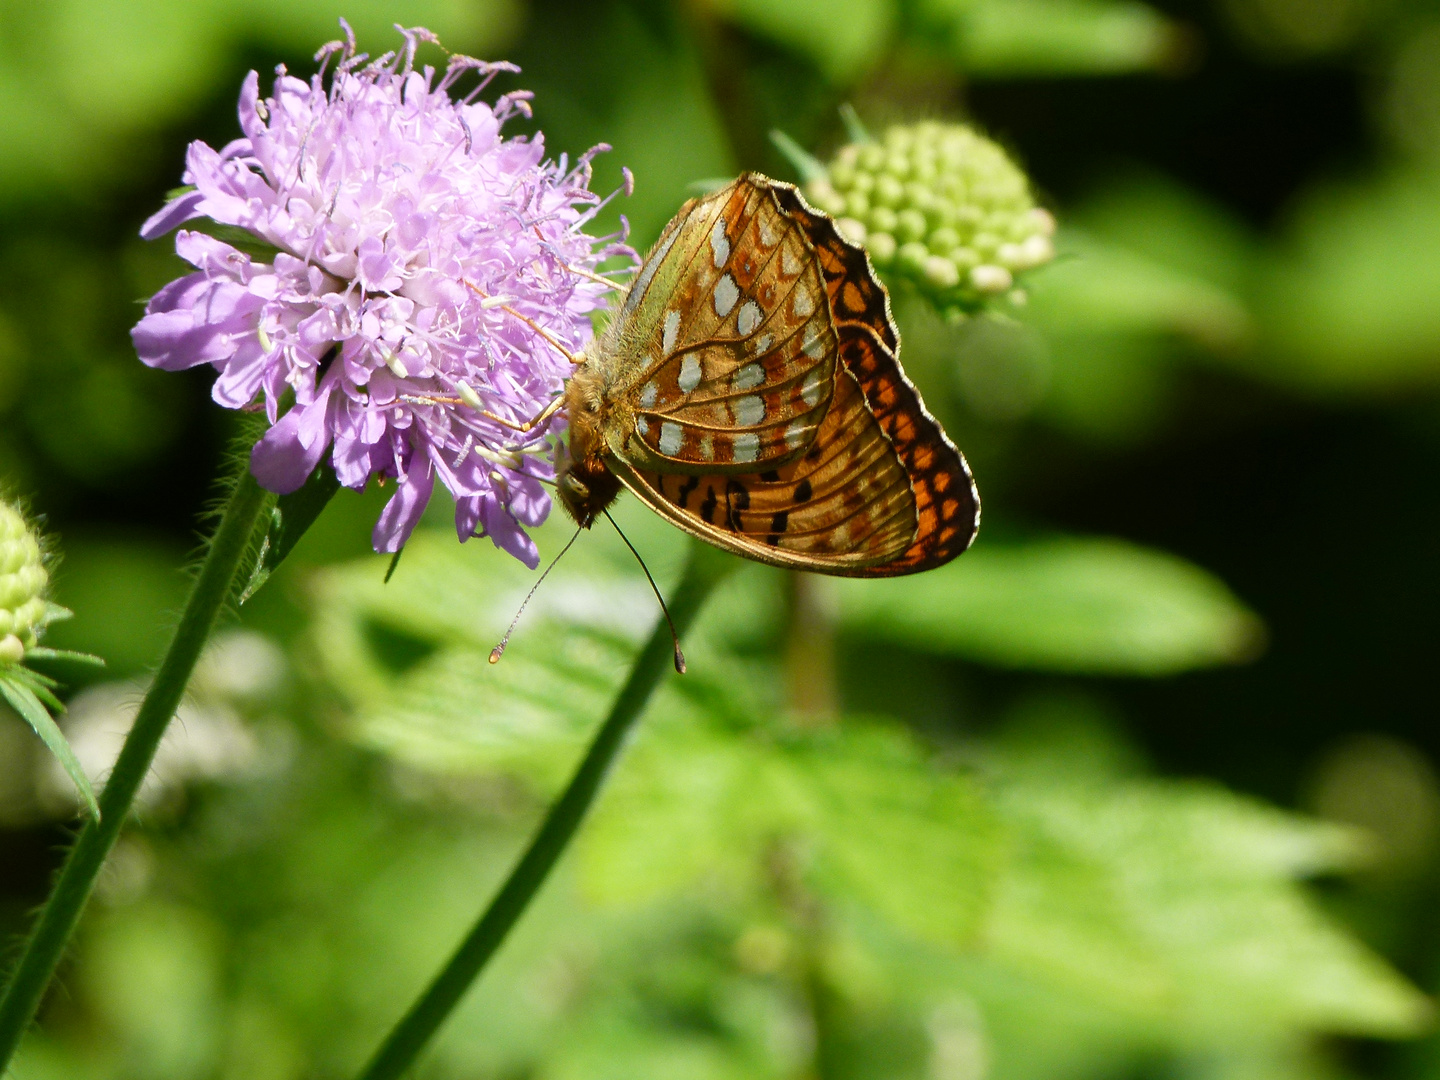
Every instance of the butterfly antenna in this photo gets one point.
(499, 650)
(674, 637)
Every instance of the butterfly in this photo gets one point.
(749, 390)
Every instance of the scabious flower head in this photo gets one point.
(23, 580)
(387, 228)
(942, 206)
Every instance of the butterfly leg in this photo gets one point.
(472, 399)
(531, 424)
(497, 301)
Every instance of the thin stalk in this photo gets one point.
(77, 878)
(410, 1037)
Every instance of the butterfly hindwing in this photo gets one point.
(947, 502)
(737, 368)
(844, 506)
(868, 485)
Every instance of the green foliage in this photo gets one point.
(28, 693)
(1054, 37)
(1153, 916)
(1004, 889)
(1093, 606)
(1350, 304)
(843, 37)
(59, 75)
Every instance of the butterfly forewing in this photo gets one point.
(738, 368)
(860, 480)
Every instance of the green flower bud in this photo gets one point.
(911, 225)
(852, 230)
(882, 248)
(942, 207)
(23, 579)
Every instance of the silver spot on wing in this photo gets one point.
(748, 377)
(689, 372)
(746, 447)
(749, 410)
(813, 387)
(670, 331)
(749, 318)
(670, 437)
(719, 244)
(726, 293)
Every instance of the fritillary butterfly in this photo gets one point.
(750, 391)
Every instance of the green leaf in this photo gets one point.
(1055, 37)
(54, 613)
(40, 687)
(1174, 903)
(23, 700)
(1048, 875)
(843, 37)
(855, 129)
(414, 655)
(1349, 303)
(1075, 605)
(809, 167)
(240, 239)
(869, 822)
(1095, 286)
(289, 518)
(42, 653)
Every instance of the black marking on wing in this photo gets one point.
(685, 489)
(737, 498)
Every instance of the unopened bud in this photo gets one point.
(23, 581)
(941, 206)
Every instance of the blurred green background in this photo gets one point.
(1143, 786)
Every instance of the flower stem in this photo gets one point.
(77, 878)
(703, 572)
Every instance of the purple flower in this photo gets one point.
(409, 238)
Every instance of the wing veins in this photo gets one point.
(697, 308)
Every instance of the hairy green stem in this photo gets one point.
(410, 1037)
(77, 878)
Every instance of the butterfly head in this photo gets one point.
(585, 484)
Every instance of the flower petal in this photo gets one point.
(174, 213)
(402, 512)
(287, 454)
(506, 534)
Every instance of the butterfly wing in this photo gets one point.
(724, 352)
(879, 491)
